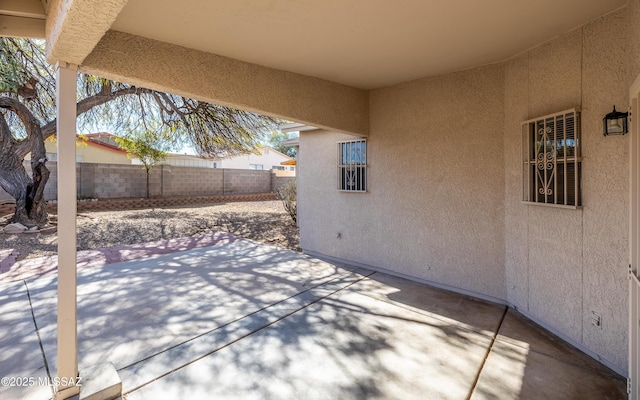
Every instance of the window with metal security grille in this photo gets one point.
(552, 162)
(352, 166)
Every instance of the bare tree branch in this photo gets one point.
(31, 124)
(28, 91)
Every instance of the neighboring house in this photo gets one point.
(461, 144)
(266, 158)
(98, 148)
(102, 148)
(187, 160)
(182, 160)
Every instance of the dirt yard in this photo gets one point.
(263, 221)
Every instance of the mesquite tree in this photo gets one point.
(27, 118)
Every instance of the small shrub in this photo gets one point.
(287, 194)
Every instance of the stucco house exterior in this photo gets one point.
(98, 148)
(265, 158)
(108, 141)
(181, 160)
(458, 145)
(102, 148)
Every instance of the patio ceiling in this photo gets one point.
(361, 43)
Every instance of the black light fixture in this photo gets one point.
(615, 123)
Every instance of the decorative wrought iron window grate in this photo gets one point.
(552, 162)
(352, 166)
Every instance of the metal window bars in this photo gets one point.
(352, 166)
(552, 162)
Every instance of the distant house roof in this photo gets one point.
(99, 134)
(102, 144)
(185, 155)
(90, 139)
(272, 149)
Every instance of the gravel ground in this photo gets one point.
(263, 221)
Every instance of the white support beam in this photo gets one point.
(66, 78)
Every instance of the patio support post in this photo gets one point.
(66, 78)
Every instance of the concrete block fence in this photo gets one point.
(278, 181)
(118, 181)
(157, 202)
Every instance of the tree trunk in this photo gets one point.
(14, 180)
(148, 194)
(36, 204)
(28, 192)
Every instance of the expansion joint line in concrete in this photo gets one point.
(243, 336)
(484, 360)
(35, 324)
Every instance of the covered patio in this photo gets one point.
(239, 319)
(445, 86)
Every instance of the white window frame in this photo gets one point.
(552, 160)
(354, 166)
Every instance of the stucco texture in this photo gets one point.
(72, 30)
(216, 79)
(434, 206)
(444, 201)
(444, 164)
(563, 265)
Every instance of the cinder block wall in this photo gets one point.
(111, 181)
(244, 181)
(186, 181)
(278, 181)
(115, 181)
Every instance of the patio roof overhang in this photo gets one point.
(310, 62)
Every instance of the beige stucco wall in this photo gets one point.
(445, 186)
(93, 154)
(434, 207)
(72, 30)
(89, 153)
(216, 79)
(267, 157)
(562, 265)
(445, 169)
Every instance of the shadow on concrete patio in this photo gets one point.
(243, 320)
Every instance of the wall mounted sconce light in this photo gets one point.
(615, 123)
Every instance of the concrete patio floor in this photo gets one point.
(242, 320)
